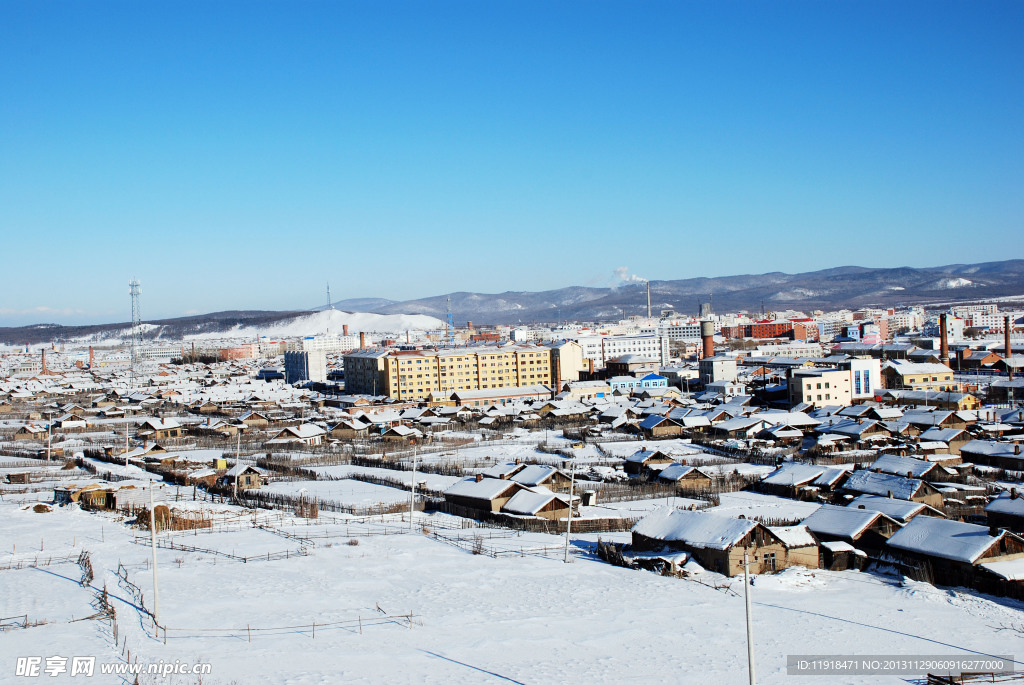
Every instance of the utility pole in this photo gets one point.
(412, 492)
(49, 433)
(568, 520)
(152, 539)
(126, 421)
(750, 628)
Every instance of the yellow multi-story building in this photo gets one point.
(904, 375)
(415, 374)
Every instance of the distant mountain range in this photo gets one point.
(830, 289)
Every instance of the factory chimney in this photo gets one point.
(344, 329)
(943, 340)
(92, 358)
(707, 336)
(1007, 347)
(648, 299)
(44, 361)
(362, 340)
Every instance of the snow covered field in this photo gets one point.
(345, 492)
(514, 618)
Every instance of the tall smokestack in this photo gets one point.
(707, 336)
(469, 325)
(92, 358)
(362, 340)
(1006, 345)
(943, 341)
(408, 338)
(44, 360)
(344, 329)
(648, 299)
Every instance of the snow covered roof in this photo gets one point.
(794, 536)
(675, 472)
(964, 542)
(695, 528)
(640, 456)
(900, 509)
(1012, 569)
(1005, 504)
(937, 434)
(534, 474)
(529, 501)
(882, 484)
(502, 470)
(841, 522)
(901, 466)
(488, 488)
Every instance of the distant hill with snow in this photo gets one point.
(329, 321)
(829, 289)
(242, 325)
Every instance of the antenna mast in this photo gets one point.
(330, 304)
(135, 343)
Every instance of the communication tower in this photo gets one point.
(135, 343)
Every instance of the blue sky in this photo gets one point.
(238, 155)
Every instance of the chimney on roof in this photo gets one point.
(479, 477)
(1016, 448)
(860, 506)
(1006, 342)
(943, 340)
(1013, 493)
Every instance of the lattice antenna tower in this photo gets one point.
(330, 304)
(135, 344)
(451, 322)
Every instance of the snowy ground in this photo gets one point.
(434, 482)
(352, 493)
(517, 617)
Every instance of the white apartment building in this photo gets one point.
(601, 348)
(328, 344)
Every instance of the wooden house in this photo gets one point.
(803, 481)
(245, 475)
(540, 502)
(865, 529)
(888, 485)
(482, 494)
(686, 477)
(644, 460)
(535, 475)
(1007, 511)
(950, 552)
(350, 428)
(716, 542)
(31, 431)
(160, 429)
